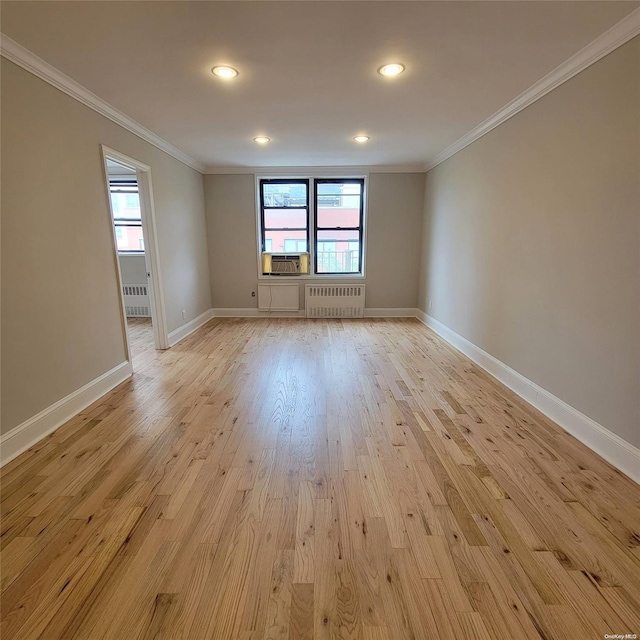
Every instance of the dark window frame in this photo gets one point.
(359, 229)
(263, 229)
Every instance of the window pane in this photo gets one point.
(294, 246)
(284, 195)
(129, 238)
(285, 218)
(338, 235)
(329, 189)
(338, 252)
(338, 204)
(126, 205)
(338, 217)
(281, 239)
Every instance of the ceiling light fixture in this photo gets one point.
(262, 139)
(391, 70)
(224, 72)
(361, 139)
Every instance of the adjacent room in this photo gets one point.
(320, 319)
(124, 196)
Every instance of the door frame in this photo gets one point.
(151, 251)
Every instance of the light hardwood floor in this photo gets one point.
(140, 331)
(315, 479)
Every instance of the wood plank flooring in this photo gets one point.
(279, 478)
(140, 331)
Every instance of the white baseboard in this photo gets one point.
(254, 312)
(397, 312)
(189, 327)
(400, 312)
(614, 449)
(25, 435)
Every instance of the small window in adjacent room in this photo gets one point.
(127, 217)
(339, 208)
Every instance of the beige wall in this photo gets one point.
(532, 242)
(394, 228)
(55, 301)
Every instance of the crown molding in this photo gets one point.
(619, 34)
(320, 171)
(24, 58)
(616, 36)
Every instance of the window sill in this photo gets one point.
(328, 276)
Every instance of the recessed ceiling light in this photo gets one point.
(262, 139)
(361, 138)
(390, 70)
(224, 72)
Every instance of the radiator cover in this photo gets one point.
(279, 297)
(136, 300)
(334, 301)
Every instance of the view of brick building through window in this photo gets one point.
(337, 224)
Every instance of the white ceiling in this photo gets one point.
(308, 69)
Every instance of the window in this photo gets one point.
(338, 225)
(284, 215)
(127, 217)
(330, 228)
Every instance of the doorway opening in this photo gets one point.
(132, 218)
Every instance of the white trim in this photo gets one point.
(189, 327)
(24, 58)
(25, 435)
(619, 34)
(326, 278)
(256, 313)
(617, 451)
(398, 312)
(152, 249)
(318, 172)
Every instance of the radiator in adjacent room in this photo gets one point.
(334, 301)
(136, 300)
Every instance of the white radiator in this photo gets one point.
(136, 300)
(334, 301)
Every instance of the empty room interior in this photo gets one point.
(320, 319)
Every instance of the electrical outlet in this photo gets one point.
(430, 304)
(253, 294)
(184, 314)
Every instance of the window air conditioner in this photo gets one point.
(285, 264)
